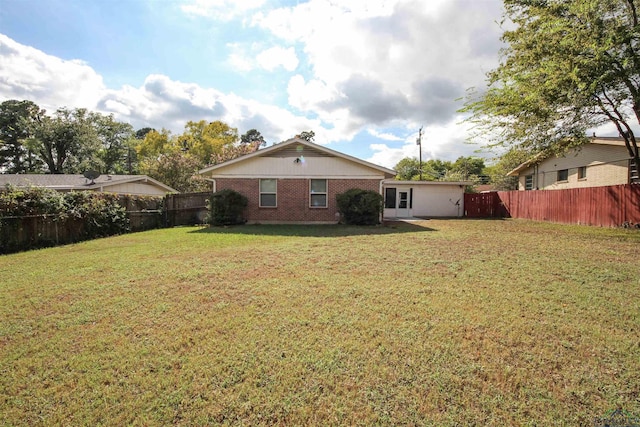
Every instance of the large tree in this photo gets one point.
(68, 142)
(307, 135)
(177, 170)
(408, 169)
(505, 163)
(118, 145)
(468, 166)
(175, 159)
(17, 119)
(568, 66)
(205, 140)
(253, 136)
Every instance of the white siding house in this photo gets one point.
(405, 199)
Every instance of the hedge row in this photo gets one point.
(39, 217)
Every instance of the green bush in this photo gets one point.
(360, 207)
(226, 207)
(31, 201)
(101, 213)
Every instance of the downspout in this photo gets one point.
(382, 194)
(213, 184)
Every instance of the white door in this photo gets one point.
(402, 210)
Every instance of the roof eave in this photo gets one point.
(275, 147)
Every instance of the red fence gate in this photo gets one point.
(482, 205)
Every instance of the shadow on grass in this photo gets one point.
(331, 230)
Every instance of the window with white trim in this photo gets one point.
(528, 182)
(390, 198)
(563, 175)
(582, 172)
(268, 193)
(318, 193)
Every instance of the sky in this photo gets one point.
(364, 75)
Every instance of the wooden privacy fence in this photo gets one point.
(145, 213)
(41, 230)
(610, 206)
(482, 205)
(186, 208)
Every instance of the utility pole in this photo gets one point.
(419, 143)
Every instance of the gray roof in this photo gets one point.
(68, 182)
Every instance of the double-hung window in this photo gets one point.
(318, 193)
(528, 182)
(268, 193)
(582, 172)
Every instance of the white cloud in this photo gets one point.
(239, 59)
(28, 73)
(163, 102)
(51, 82)
(245, 58)
(308, 96)
(384, 61)
(362, 65)
(278, 56)
(383, 135)
(220, 9)
(439, 141)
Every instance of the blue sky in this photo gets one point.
(363, 76)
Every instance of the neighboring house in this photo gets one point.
(120, 184)
(297, 181)
(600, 162)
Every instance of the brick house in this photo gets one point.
(602, 161)
(297, 181)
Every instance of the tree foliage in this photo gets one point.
(141, 133)
(177, 170)
(156, 143)
(77, 140)
(307, 135)
(504, 164)
(253, 136)
(464, 168)
(176, 159)
(568, 66)
(117, 145)
(408, 169)
(17, 120)
(69, 141)
(206, 140)
(468, 167)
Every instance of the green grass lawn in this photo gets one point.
(455, 322)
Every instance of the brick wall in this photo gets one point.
(293, 198)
